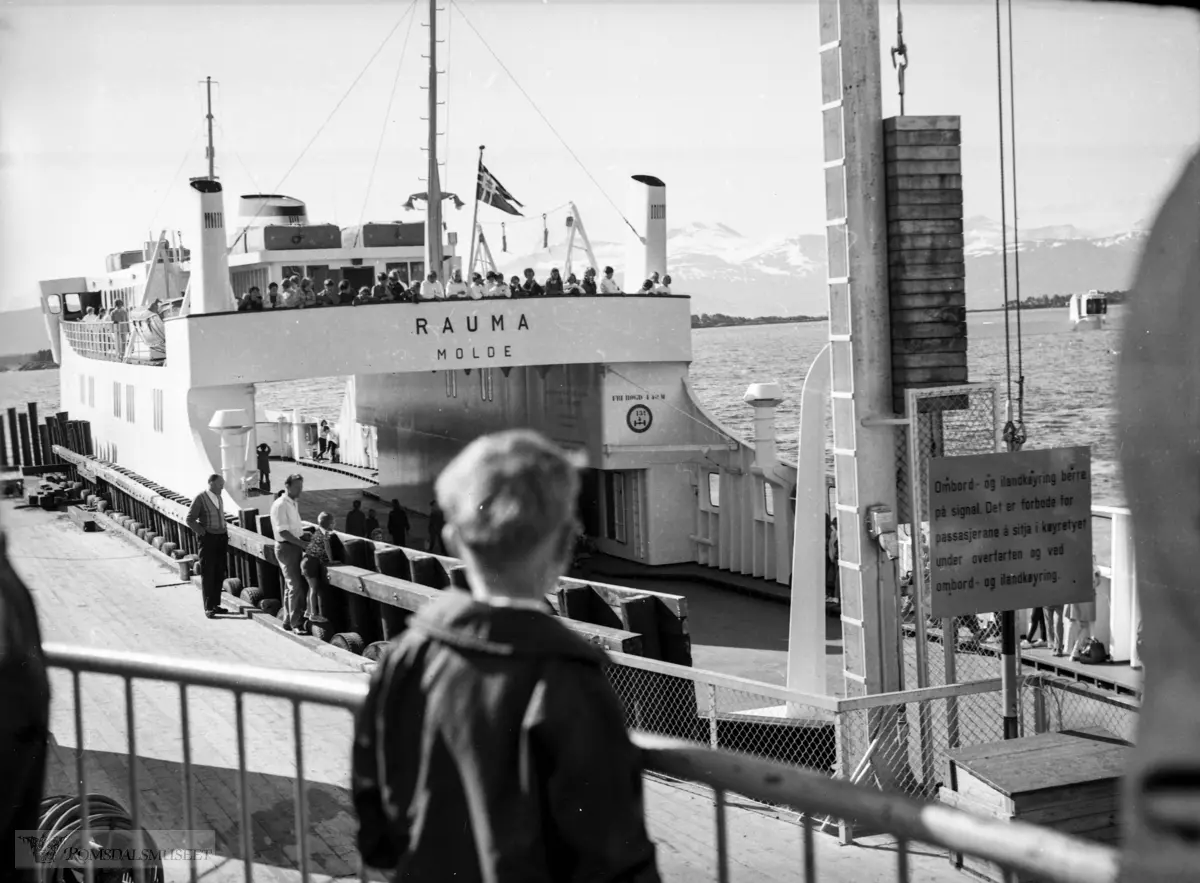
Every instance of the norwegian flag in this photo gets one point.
(492, 192)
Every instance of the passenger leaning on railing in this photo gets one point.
(589, 281)
(475, 290)
(608, 285)
(491, 745)
(531, 287)
(572, 286)
(456, 289)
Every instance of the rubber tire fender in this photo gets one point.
(350, 641)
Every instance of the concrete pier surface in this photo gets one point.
(94, 590)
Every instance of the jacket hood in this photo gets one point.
(460, 621)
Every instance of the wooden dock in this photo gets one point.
(94, 590)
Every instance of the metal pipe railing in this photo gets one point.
(1014, 846)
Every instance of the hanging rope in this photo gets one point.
(545, 233)
(383, 131)
(503, 237)
(549, 125)
(411, 6)
(1009, 427)
(1020, 435)
(900, 54)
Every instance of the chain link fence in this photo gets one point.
(950, 421)
(720, 711)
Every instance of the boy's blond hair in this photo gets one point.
(508, 493)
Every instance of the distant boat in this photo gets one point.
(1087, 311)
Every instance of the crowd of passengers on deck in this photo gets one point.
(297, 292)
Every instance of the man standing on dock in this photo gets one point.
(491, 745)
(206, 519)
(289, 549)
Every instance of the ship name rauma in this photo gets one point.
(472, 324)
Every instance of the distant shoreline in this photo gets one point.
(722, 321)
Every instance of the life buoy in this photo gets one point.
(297, 239)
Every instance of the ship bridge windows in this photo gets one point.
(53, 304)
(1096, 306)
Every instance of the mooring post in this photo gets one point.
(35, 437)
(12, 434)
(26, 451)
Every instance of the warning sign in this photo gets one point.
(1010, 531)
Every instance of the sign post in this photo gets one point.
(1008, 532)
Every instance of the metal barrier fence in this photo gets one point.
(97, 340)
(248, 777)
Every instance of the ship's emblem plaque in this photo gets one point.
(639, 418)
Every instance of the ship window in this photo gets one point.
(714, 489)
(116, 399)
(72, 303)
(129, 400)
(416, 271)
(91, 392)
(54, 305)
(614, 487)
(289, 272)
(769, 498)
(82, 390)
(1094, 307)
(158, 410)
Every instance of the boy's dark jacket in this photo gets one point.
(491, 748)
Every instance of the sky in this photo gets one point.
(101, 113)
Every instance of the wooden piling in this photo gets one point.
(35, 436)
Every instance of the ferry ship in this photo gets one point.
(170, 394)
(1088, 312)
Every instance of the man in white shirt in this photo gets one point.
(476, 288)
(289, 549)
(608, 285)
(431, 288)
(456, 288)
(664, 287)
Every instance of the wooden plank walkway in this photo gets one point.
(94, 590)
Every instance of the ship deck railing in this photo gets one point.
(111, 342)
(186, 767)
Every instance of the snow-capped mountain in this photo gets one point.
(726, 272)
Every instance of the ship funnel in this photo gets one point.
(209, 288)
(646, 253)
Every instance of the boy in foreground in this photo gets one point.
(491, 746)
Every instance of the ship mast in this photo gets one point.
(210, 152)
(433, 212)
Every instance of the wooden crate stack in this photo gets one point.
(1068, 781)
(926, 263)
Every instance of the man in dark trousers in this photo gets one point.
(25, 698)
(437, 521)
(491, 746)
(398, 524)
(356, 521)
(206, 519)
(264, 468)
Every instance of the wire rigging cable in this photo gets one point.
(175, 176)
(237, 156)
(1009, 434)
(383, 131)
(411, 6)
(549, 125)
(1020, 433)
